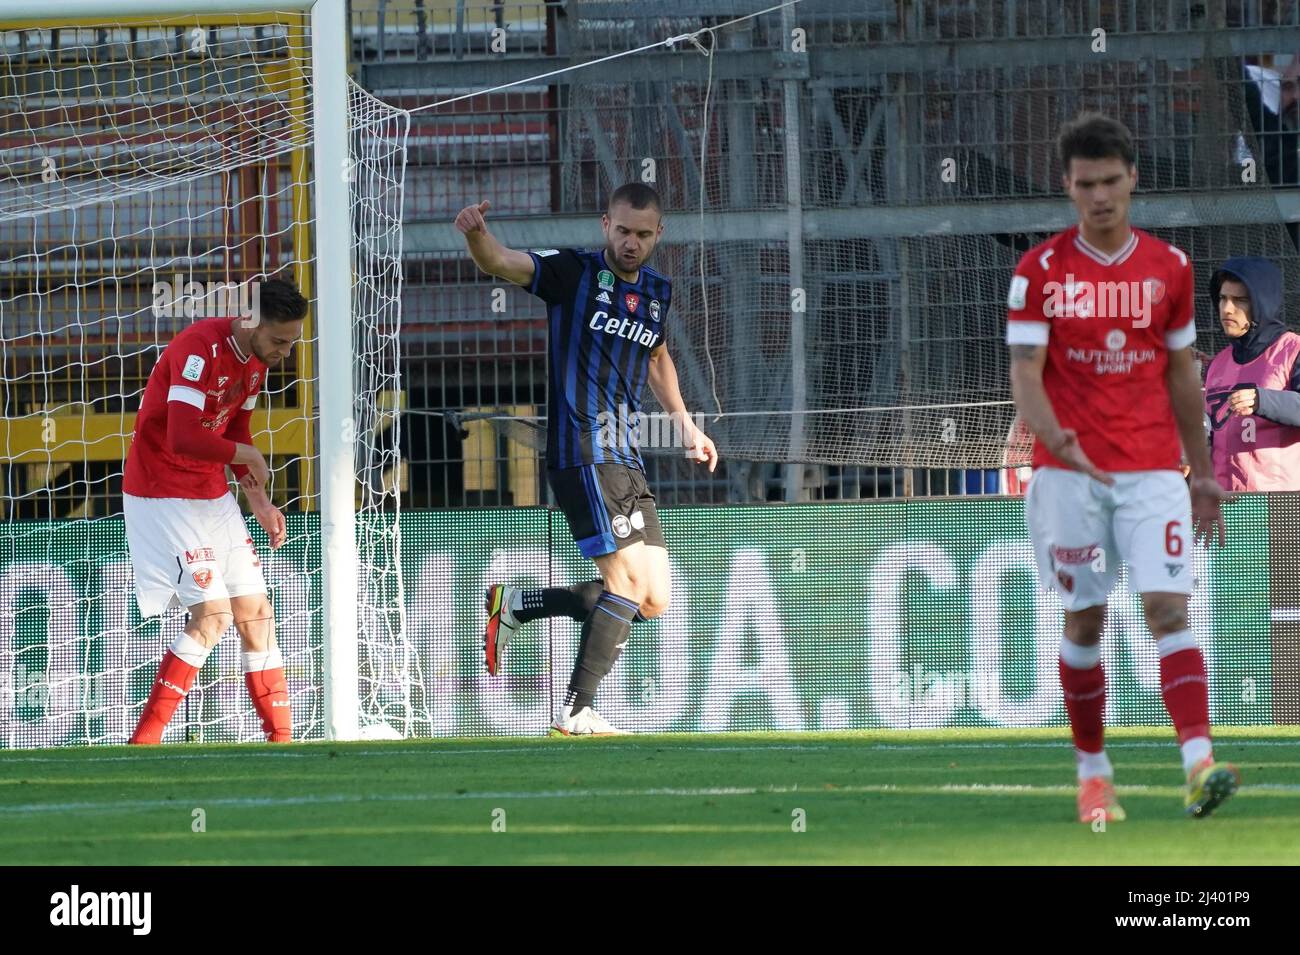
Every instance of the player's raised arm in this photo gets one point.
(489, 254)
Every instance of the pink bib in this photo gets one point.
(1252, 453)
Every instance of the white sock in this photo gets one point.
(265, 660)
(190, 650)
(1176, 643)
(1080, 658)
(1195, 750)
(1093, 764)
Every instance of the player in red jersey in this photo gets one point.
(1100, 326)
(189, 545)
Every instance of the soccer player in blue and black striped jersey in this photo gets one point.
(607, 315)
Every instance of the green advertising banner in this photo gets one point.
(923, 613)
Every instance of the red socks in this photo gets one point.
(175, 677)
(1183, 685)
(1085, 702)
(264, 677)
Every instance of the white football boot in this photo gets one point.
(585, 722)
(501, 625)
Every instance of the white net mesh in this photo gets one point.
(145, 167)
(841, 239)
(389, 667)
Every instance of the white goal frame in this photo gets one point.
(329, 39)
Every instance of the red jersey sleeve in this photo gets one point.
(186, 435)
(191, 369)
(1027, 320)
(190, 375)
(1181, 332)
(238, 432)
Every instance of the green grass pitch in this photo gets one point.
(924, 797)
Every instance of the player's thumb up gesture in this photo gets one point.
(470, 219)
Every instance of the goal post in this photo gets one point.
(311, 163)
(337, 475)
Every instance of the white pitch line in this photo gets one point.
(566, 747)
(804, 791)
(1223, 742)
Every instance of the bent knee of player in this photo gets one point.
(209, 623)
(658, 593)
(1165, 613)
(622, 577)
(654, 604)
(256, 626)
(1085, 627)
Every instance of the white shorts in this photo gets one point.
(1081, 530)
(185, 552)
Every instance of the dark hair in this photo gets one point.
(1094, 136)
(636, 194)
(280, 301)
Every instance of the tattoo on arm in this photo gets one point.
(1024, 352)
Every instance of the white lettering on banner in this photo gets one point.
(430, 621)
(1126, 635)
(60, 683)
(222, 705)
(126, 648)
(752, 607)
(836, 714)
(290, 589)
(891, 692)
(505, 707)
(651, 707)
(987, 663)
(1126, 631)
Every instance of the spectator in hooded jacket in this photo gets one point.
(1252, 387)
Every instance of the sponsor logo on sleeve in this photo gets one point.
(1016, 297)
(193, 370)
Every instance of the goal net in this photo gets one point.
(153, 171)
